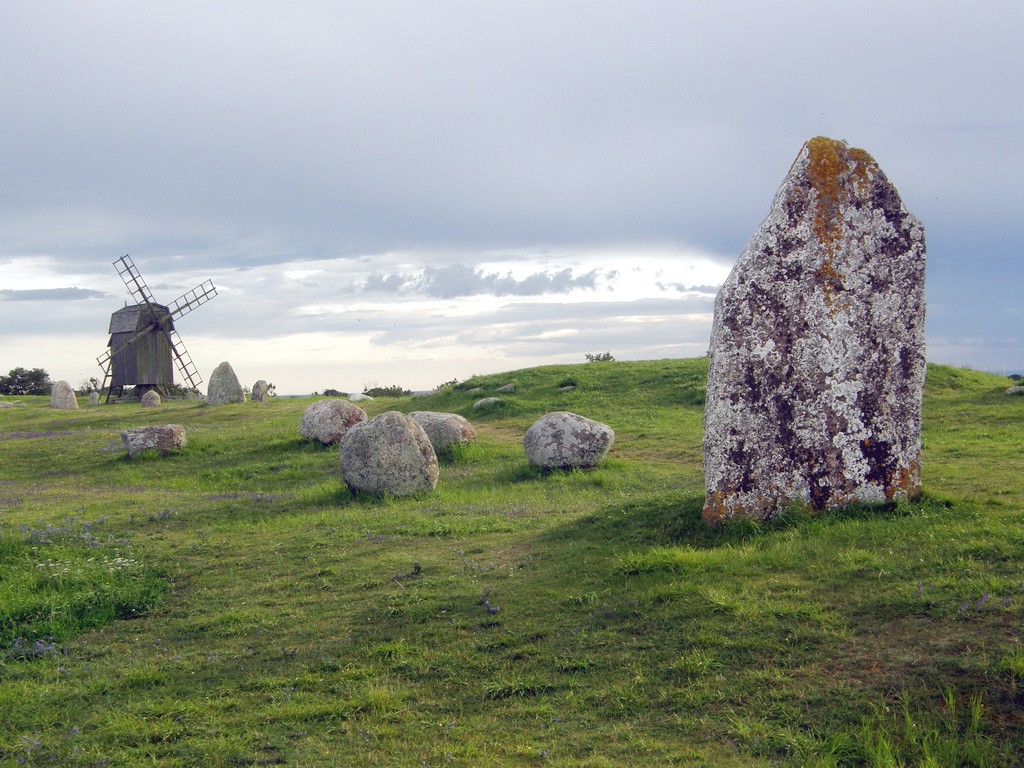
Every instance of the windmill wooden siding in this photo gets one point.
(147, 359)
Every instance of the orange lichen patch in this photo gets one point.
(905, 482)
(834, 171)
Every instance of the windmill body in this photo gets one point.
(143, 342)
(142, 349)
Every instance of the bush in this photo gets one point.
(20, 381)
(395, 391)
(601, 357)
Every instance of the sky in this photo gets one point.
(413, 192)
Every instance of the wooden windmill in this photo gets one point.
(143, 340)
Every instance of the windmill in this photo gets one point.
(143, 340)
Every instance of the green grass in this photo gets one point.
(513, 617)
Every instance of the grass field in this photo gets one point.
(234, 605)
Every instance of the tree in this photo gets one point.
(20, 381)
(603, 357)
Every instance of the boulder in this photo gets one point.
(507, 388)
(150, 400)
(224, 386)
(445, 430)
(475, 390)
(1016, 390)
(329, 420)
(359, 397)
(165, 439)
(94, 398)
(191, 396)
(817, 357)
(62, 397)
(260, 392)
(485, 402)
(390, 454)
(564, 440)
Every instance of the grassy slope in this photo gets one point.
(515, 617)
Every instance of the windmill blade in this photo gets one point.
(133, 280)
(196, 297)
(183, 360)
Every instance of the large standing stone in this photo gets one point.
(62, 397)
(260, 391)
(817, 349)
(329, 420)
(151, 399)
(445, 430)
(564, 440)
(390, 453)
(224, 386)
(165, 439)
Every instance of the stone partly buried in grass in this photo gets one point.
(564, 440)
(817, 358)
(165, 439)
(389, 454)
(329, 420)
(445, 430)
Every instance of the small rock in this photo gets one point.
(224, 386)
(94, 398)
(475, 390)
(445, 430)
(507, 388)
(260, 391)
(165, 439)
(564, 440)
(62, 397)
(567, 388)
(1018, 390)
(390, 454)
(329, 420)
(151, 399)
(359, 397)
(487, 401)
(191, 396)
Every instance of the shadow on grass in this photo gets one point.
(677, 519)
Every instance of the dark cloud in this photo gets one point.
(50, 294)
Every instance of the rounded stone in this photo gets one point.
(260, 391)
(389, 454)
(62, 397)
(150, 400)
(224, 386)
(563, 440)
(329, 420)
(445, 430)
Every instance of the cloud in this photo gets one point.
(683, 288)
(461, 280)
(50, 294)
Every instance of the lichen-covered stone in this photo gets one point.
(224, 387)
(329, 420)
(390, 454)
(260, 391)
(94, 398)
(151, 399)
(445, 430)
(166, 438)
(62, 397)
(564, 440)
(817, 350)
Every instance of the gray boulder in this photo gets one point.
(389, 454)
(563, 440)
(329, 420)
(485, 402)
(165, 439)
(359, 397)
(445, 430)
(62, 397)
(260, 392)
(151, 399)
(507, 388)
(817, 356)
(191, 396)
(224, 387)
(1016, 390)
(94, 398)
